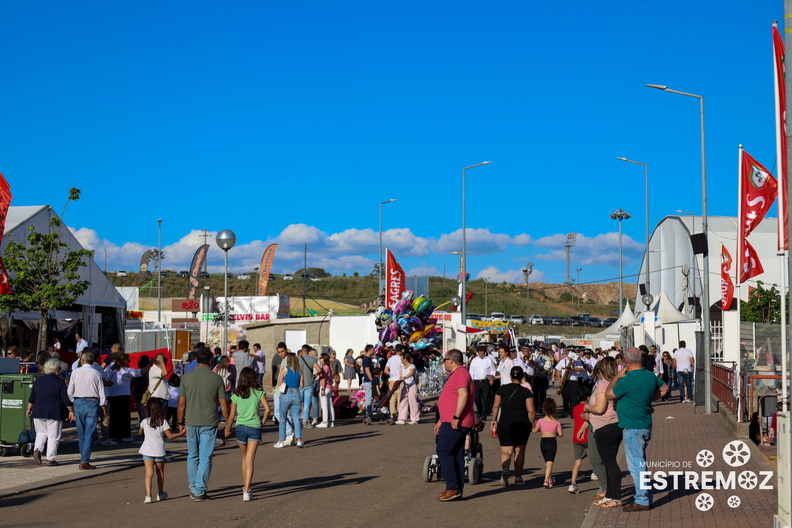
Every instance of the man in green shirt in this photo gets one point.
(636, 388)
(200, 393)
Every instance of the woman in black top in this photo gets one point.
(517, 414)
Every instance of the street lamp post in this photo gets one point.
(705, 295)
(379, 286)
(159, 270)
(646, 252)
(464, 252)
(226, 240)
(527, 272)
(620, 214)
(578, 286)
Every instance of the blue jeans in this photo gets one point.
(86, 415)
(635, 442)
(306, 394)
(289, 404)
(200, 446)
(369, 397)
(686, 383)
(451, 452)
(289, 422)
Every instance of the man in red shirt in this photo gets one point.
(455, 405)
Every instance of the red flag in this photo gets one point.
(264, 269)
(751, 267)
(5, 203)
(727, 286)
(781, 146)
(394, 280)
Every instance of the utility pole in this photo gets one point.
(205, 236)
(105, 266)
(527, 273)
(305, 278)
(486, 282)
(578, 287)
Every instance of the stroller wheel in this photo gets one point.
(3, 451)
(366, 421)
(388, 422)
(475, 470)
(26, 450)
(427, 469)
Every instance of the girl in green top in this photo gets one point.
(245, 407)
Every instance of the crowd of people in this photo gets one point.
(608, 394)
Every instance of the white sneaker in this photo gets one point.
(322, 425)
(399, 422)
(594, 476)
(332, 424)
(162, 496)
(245, 496)
(278, 445)
(314, 422)
(107, 442)
(411, 422)
(300, 443)
(147, 500)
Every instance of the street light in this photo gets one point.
(578, 286)
(159, 270)
(464, 252)
(705, 295)
(380, 247)
(458, 253)
(226, 240)
(620, 214)
(646, 252)
(527, 272)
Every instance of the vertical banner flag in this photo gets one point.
(758, 191)
(781, 145)
(394, 280)
(195, 269)
(5, 203)
(727, 286)
(264, 269)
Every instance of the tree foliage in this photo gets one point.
(45, 275)
(763, 305)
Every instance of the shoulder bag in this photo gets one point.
(147, 395)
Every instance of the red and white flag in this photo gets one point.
(5, 203)
(758, 191)
(727, 286)
(394, 280)
(751, 267)
(781, 145)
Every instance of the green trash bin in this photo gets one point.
(14, 395)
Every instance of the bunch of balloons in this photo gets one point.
(411, 317)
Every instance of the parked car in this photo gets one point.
(288, 277)
(616, 313)
(121, 274)
(498, 316)
(609, 321)
(473, 317)
(184, 274)
(243, 276)
(537, 320)
(203, 275)
(592, 321)
(164, 274)
(516, 319)
(576, 320)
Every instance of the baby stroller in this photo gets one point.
(379, 410)
(474, 459)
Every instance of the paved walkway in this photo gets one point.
(681, 433)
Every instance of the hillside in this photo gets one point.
(545, 299)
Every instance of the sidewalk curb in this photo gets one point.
(591, 517)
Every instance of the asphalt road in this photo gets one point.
(349, 475)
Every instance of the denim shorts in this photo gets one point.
(155, 459)
(245, 434)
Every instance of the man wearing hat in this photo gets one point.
(482, 370)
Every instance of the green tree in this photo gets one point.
(763, 305)
(45, 274)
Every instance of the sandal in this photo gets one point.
(599, 496)
(610, 503)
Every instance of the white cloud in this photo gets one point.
(602, 249)
(479, 241)
(493, 274)
(423, 271)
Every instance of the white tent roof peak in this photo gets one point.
(625, 319)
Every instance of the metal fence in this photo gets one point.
(760, 346)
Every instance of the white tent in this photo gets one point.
(101, 305)
(625, 319)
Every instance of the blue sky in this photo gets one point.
(291, 122)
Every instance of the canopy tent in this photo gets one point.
(625, 319)
(101, 308)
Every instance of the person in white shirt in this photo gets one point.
(87, 392)
(482, 371)
(393, 369)
(81, 345)
(260, 364)
(684, 362)
(118, 395)
(503, 370)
